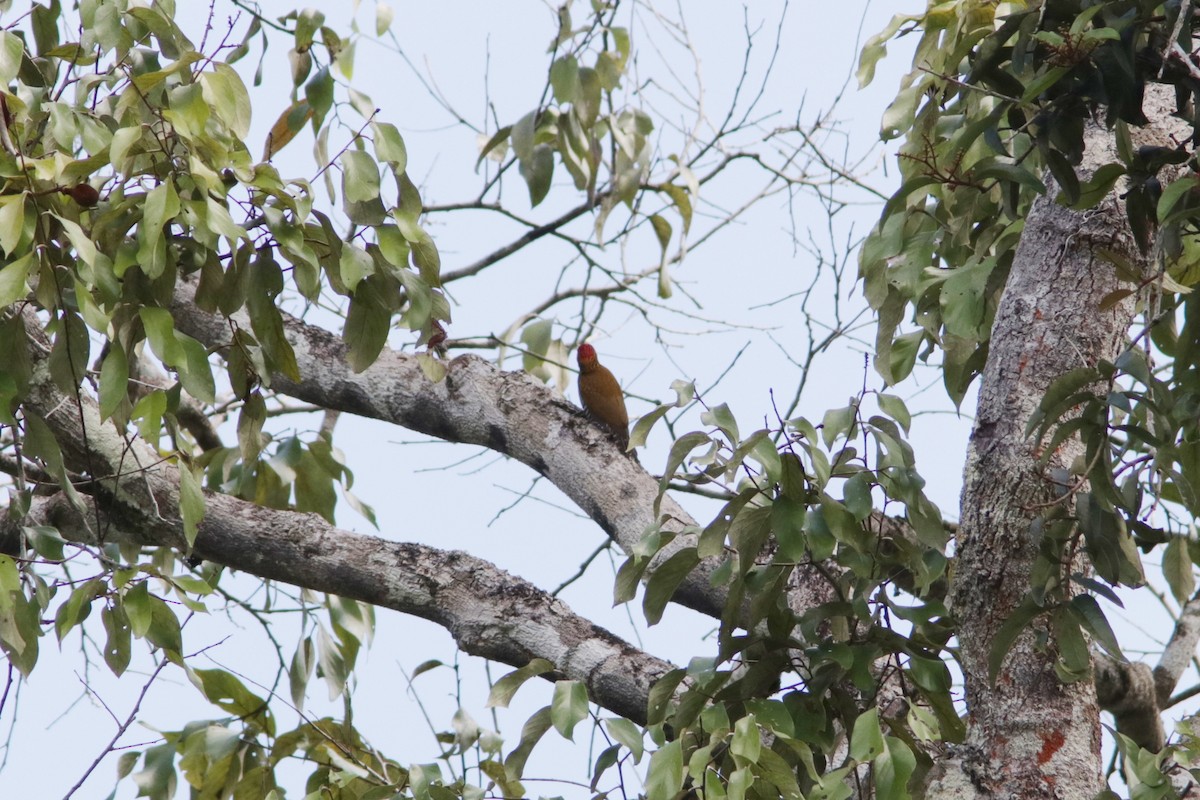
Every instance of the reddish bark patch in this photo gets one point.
(1051, 742)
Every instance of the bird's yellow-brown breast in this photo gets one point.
(601, 395)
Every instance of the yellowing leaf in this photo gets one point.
(290, 122)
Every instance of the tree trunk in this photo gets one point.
(1030, 735)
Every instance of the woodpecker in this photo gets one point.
(601, 395)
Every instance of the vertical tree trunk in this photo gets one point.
(1030, 735)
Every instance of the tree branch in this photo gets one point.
(509, 412)
(489, 612)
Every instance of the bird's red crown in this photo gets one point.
(586, 354)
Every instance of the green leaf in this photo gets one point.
(228, 693)
(504, 689)
(662, 693)
(314, 487)
(665, 580)
(300, 670)
(866, 740)
(360, 189)
(366, 329)
(383, 17)
(1108, 542)
(536, 337)
(195, 373)
(857, 495)
(538, 172)
(191, 504)
(14, 280)
(137, 609)
(69, 355)
(641, 428)
(1093, 191)
(662, 230)
(608, 758)
(1173, 193)
(747, 741)
(679, 451)
(497, 139)
(20, 627)
(564, 78)
(45, 540)
(150, 410)
(12, 223)
(664, 777)
(1004, 171)
(1043, 82)
(892, 768)
(227, 95)
(1177, 569)
(11, 51)
(160, 332)
(389, 146)
(535, 727)
(160, 206)
(164, 630)
(895, 408)
(1074, 658)
(360, 177)
(876, 48)
(838, 422)
(522, 136)
(1091, 617)
(627, 734)
(1061, 396)
(116, 646)
(1008, 633)
(569, 706)
(1064, 173)
(114, 380)
(721, 417)
(319, 94)
(788, 516)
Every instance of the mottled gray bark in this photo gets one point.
(490, 612)
(1029, 734)
(510, 412)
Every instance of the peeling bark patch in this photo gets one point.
(1051, 742)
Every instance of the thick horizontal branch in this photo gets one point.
(489, 612)
(134, 494)
(476, 403)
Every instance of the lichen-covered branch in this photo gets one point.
(489, 612)
(509, 412)
(134, 494)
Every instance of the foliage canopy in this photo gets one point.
(132, 205)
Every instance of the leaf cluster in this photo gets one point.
(790, 702)
(999, 97)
